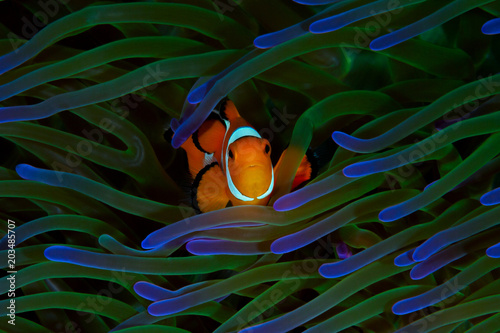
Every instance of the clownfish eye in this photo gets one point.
(267, 149)
(231, 154)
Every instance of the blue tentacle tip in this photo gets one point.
(359, 169)
(281, 205)
(197, 95)
(429, 247)
(327, 25)
(49, 177)
(285, 244)
(151, 291)
(391, 214)
(336, 269)
(149, 242)
(492, 27)
(491, 198)
(163, 308)
(342, 139)
(267, 41)
(290, 201)
(405, 259)
(378, 45)
(198, 247)
(58, 253)
(493, 251)
(278, 37)
(178, 139)
(406, 306)
(350, 142)
(25, 171)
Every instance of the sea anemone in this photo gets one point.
(398, 102)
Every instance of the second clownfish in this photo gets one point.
(231, 163)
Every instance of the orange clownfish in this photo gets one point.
(231, 163)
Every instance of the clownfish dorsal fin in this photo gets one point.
(205, 141)
(228, 110)
(208, 138)
(209, 191)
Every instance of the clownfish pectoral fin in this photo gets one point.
(228, 110)
(209, 191)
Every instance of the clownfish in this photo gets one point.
(231, 163)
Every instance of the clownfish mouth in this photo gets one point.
(255, 166)
(253, 181)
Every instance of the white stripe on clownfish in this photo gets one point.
(209, 159)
